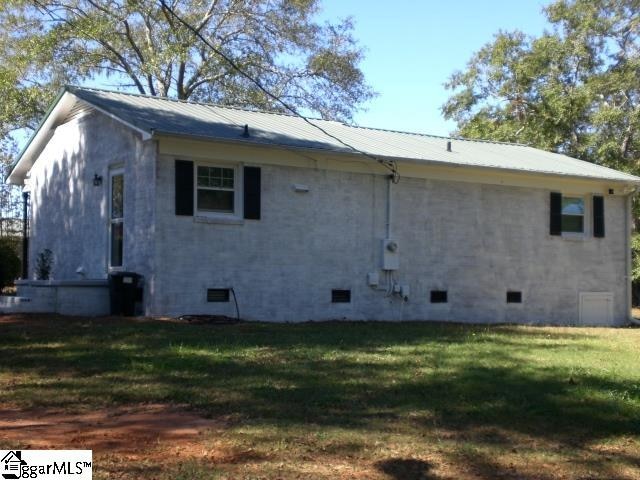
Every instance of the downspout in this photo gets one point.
(627, 224)
(25, 238)
(389, 183)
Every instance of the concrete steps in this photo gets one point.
(66, 297)
(24, 304)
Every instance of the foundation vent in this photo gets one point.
(514, 297)
(217, 295)
(438, 296)
(340, 296)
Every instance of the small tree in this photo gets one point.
(9, 263)
(44, 264)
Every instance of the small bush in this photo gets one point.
(44, 264)
(9, 263)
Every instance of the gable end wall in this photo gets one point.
(69, 214)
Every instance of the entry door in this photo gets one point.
(116, 218)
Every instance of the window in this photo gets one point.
(116, 218)
(438, 296)
(216, 189)
(572, 214)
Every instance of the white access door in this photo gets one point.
(596, 309)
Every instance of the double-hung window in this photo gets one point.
(567, 215)
(116, 218)
(216, 189)
(572, 214)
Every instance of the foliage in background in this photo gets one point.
(44, 264)
(9, 262)
(574, 89)
(635, 257)
(10, 204)
(139, 46)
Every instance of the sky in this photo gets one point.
(412, 47)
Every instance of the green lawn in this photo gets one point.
(349, 400)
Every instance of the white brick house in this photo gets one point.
(211, 204)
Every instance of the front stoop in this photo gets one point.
(23, 304)
(66, 297)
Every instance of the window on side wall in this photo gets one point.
(566, 214)
(572, 215)
(216, 189)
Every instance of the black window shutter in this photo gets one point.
(184, 187)
(598, 216)
(555, 219)
(252, 193)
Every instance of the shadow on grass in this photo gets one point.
(345, 375)
(406, 469)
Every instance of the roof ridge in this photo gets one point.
(246, 109)
(71, 88)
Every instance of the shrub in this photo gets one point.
(9, 263)
(44, 264)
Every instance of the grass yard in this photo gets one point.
(333, 400)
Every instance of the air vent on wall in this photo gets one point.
(217, 295)
(340, 296)
(80, 109)
(438, 296)
(514, 297)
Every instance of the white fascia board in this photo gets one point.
(45, 131)
(39, 139)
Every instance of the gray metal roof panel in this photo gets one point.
(183, 118)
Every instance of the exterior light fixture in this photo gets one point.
(97, 180)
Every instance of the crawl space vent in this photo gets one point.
(217, 295)
(514, 297)
(340, 296)
(438, 296)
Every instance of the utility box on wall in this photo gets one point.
(390, 254)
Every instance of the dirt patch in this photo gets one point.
(115, 429)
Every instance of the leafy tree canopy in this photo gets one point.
(575, 89)
(138, 44)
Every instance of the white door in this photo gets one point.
(596, 309)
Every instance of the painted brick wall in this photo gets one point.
(70, 215)
(475, 241)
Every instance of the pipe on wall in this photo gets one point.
(389, 212)
(25, 233)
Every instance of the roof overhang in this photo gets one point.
(58, 110)
(631, 185)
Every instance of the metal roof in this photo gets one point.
(155, 115)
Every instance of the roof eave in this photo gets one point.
(58, 108)
(33, 141)
(343, 152)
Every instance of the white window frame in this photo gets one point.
(237, 190)
(113, 173)
(585, 217)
